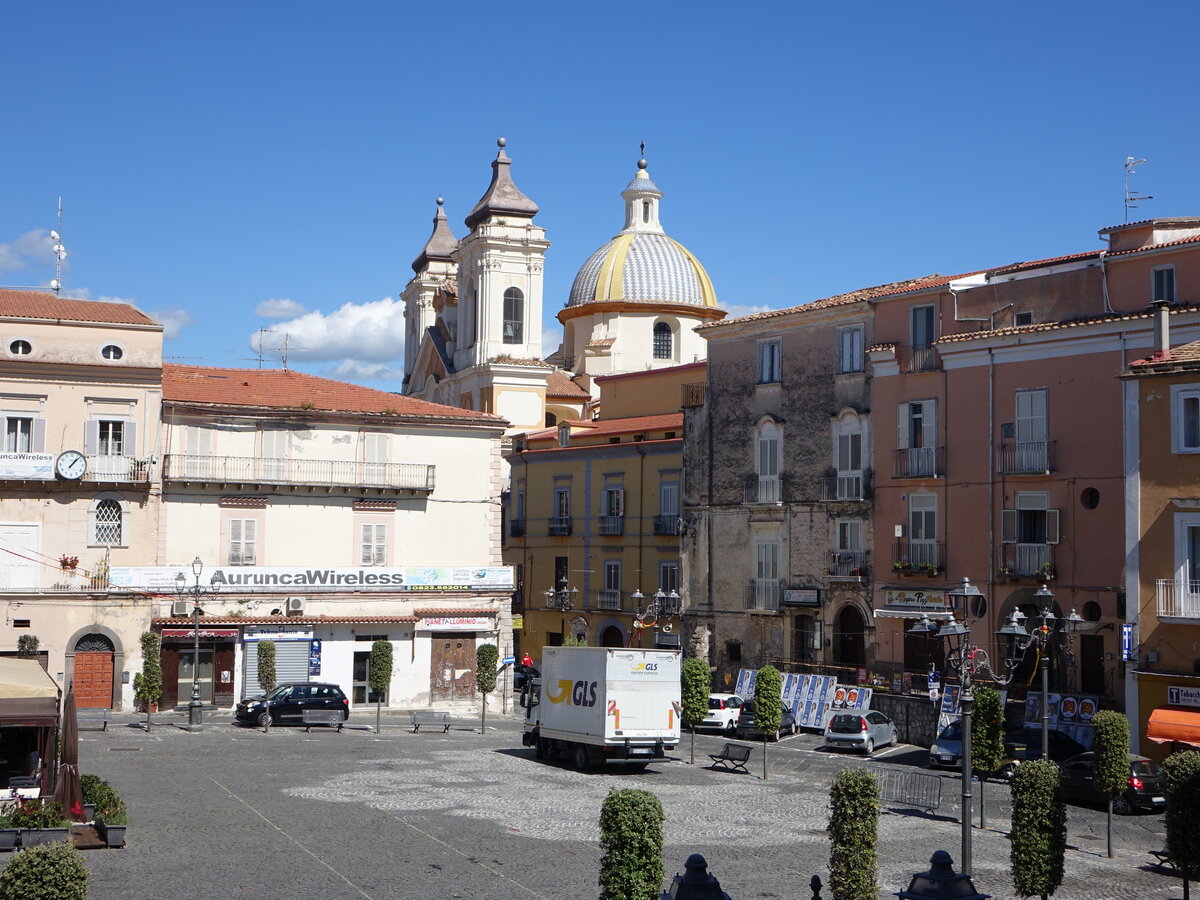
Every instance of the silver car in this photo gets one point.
(860, 731)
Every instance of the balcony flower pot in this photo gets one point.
(89, 812)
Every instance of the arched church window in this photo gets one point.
(514, 316)
(662, 341)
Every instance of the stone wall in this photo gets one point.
(915, 716)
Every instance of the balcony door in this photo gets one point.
(274, 454)
(1031, 431)
(922, 530)
(19, 568)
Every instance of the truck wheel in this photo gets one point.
(539, 748)
(581, 757)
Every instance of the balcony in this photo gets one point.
(25, 579)
(919, 557)
(763, 593)
(845, 487)
(918, 462)
(612, 526)
(847, 564)
(1025, 458)
(1026, 561)
(558, 526)
(919, 359)
(1178, 599)
(516, 528)
(106, 469)
(666, 524)
(608, 599)
(299, 473)
(764, 490)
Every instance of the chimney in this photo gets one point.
(1162, 329)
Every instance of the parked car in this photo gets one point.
(287, 703)
(746, 727)
(723, 712)
(864, 731)
(1026, 743)
(947, 747)
(1144, 788)
(523, 673)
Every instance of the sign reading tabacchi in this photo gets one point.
(311, 578)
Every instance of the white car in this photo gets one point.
(723, 712)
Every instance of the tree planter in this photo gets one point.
(89, 812)
(8, 838)
(113, 835)
(33, 837)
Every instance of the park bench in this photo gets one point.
(732, 757)
(430, 717)
(97, 719)
(1162, 862)
(331, 717)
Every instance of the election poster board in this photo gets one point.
(1069, 713)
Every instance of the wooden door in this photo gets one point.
(1091, 664)
(452, 666)
(170, 676)
(93, 679)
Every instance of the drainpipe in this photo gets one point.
(641, 509)
(1162, 329)
(992, 608)
(1104, 281)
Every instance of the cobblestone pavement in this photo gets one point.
(233, 812)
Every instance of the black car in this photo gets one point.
(1144, 787)
(288, 701)
(1026, 744)
(746, 727)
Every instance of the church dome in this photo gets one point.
(642, 264)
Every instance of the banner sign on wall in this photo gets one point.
(287, 579)
(278, 633)
(34, 466)
(456, 623)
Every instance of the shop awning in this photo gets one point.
(1174, 726)
(935, 615)
(28, 695)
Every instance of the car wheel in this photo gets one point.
(1122, 806)
(264, 719)
(581, 757)
(540, 748)
(793, 731)
(870, 747)
(895, 740)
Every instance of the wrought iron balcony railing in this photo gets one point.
(1026, 560)
(608, 599)
(763, 593)
(666, 524)
(1178, 599)
(558, 526)
(920, 359)
(611, 526)
(516, 528)
(764, 490)
(1025, 458)
(918, 462)
(919, 557)
(846, 487)
(847, 564)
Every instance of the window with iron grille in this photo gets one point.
(662, 341)
(243, 542)
(372, 544)
(108, 523)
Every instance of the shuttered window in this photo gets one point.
(291, 665)
(243, 542)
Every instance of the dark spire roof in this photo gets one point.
(440, 244)
(502, 196)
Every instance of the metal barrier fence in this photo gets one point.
(916, 789)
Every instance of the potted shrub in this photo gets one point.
(90, 787)
(55, 871)
(8, 834)
(111, 824)
(40, 822)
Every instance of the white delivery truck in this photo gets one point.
(593, 705)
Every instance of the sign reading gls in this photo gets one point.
(575, 693)
(645, 667)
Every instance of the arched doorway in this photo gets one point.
(849, 637)
(93, 676)
(612, 637)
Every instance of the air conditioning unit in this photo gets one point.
(179, 608)
(296, 604)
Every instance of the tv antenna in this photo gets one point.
(285, 349)
(60, 252)
(262, 332)
(1131, 199)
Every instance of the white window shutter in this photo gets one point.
(38, 443)
(130, 439)
(1008, 526)
(855, 452)
(1052, 526)
(618, 502)
(91, 438)
(902, 426)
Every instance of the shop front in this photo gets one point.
(213, 666)
(1168, 713)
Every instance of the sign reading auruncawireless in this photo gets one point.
(314, 578)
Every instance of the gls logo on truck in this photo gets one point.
(645, 667)
(574, 693)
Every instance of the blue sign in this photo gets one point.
(1127, 642)
(314, 657)
(508, 660)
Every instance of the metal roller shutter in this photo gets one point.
(291, 664)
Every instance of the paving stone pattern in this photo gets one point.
(233, 812)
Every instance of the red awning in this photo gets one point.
(1174, 726)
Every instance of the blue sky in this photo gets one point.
(214, 157)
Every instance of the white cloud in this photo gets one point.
(353, 370)
(737, 310)
(279, 308)
(355, 333)
(31, 247)
(174, 320)
(551, 339)
(85, 294)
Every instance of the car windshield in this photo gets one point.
(281, 691)
(952, 732)
(1145, 768)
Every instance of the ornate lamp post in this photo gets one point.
(662, 607)
(562, 599)
(195, 707)
(1051, 632)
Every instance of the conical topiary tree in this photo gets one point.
(486, 657)
(631, 835)
(853, 832)
(694, 689)
(1039, 829)
(987, 738)
(1183, 814)
(149, 686)
(768, 706)
(266, 677)
(379, 675)
(1110, 760)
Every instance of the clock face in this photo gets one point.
(70, 464)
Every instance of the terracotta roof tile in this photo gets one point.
(651, 373)
(560, 386)
(286, 389)
(1056, 326)
(1180, 242)
(47, 305)
(1182, 355)
(613, 427)
(1039, 263)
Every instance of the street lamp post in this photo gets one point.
(562, 599)
(195, 707)
(1050, 633)
(662, 607)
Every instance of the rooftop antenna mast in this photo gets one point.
(60, 252)
(286, 348)
(262, 332)
(1131, 199)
